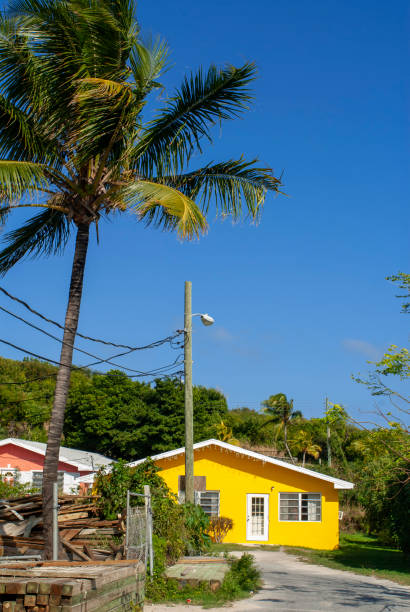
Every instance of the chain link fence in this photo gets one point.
(138, 537)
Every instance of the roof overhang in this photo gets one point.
(337, 482)
(82, 467)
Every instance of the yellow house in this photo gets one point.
(270, 501)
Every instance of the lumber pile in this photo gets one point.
(83, 534)
(58, 586)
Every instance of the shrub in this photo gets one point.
(178, 528)
(112, 486)
(242, 578)
(14, 488)
(196, 525)
(245, 572)
(219, 527)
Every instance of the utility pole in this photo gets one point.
(189, 416)
(329, 451)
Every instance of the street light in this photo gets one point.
(189, 409)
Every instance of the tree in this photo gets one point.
(385, 479)
(130, 420)
(303, 443)
(281, 411)
(224, 434)
(75, 78)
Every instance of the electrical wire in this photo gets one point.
(101, 359)
(51, 395)
(152, 372)
(131, 348)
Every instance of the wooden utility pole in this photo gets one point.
(329, 451)
(189, 411)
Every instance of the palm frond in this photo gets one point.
(203, 100)
(147, 62)
(19, 177)
(44, 234)
(113, 92)
(20, 138)
(237, 187)
(165, 207)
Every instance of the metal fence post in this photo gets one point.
(55, 521)
(148, 517)
(127, 524)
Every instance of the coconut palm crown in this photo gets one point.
(74, 81)
(281, 411)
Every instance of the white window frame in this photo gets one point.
(60, 479)
(198, 501)
(299, 519)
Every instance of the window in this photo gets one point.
(300, 507)
(209, 502)
(38, 480)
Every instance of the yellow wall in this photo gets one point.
(236, 475)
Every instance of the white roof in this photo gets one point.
(337, 482)
(82, 460)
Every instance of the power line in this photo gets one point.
(131, 348)
(51, 395)
(101, 359)
(152, 372)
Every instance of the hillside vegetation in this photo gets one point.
(113, 415)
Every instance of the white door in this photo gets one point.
(257, 516)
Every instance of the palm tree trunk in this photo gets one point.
(285, 439)
(55, 431)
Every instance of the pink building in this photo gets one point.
(24, 460)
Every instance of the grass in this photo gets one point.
(360, 554)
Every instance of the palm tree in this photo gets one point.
(224, 434)
(303, 443)
(74, 79)
(281, 411)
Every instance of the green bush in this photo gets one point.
(179, 529)
(112, 486)
(241, 579)
(245, 573)
(15, 489)
(196, 525)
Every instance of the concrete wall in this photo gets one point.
(236, 475)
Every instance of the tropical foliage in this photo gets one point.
(74, 143)
(281, 411)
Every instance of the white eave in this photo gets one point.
(337, 482)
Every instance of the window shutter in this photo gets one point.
(199, 483)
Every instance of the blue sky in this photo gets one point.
(300, 301)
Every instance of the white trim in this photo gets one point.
(337, 482)
(250, 537)
(299, 493)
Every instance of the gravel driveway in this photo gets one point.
(292, 585)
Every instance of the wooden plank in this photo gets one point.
(16, 588)
(72, 516)
(69, 534)
(105, 564)
(88, 552)
(42, 599)
(30, 600)
(108, 588)
(55, 600)
(110, 600)
(75, 550)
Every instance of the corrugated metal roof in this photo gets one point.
(82, 458)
